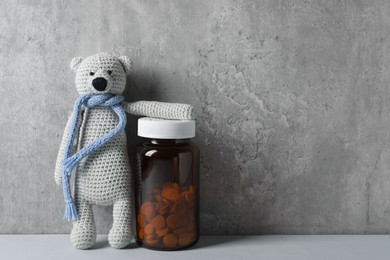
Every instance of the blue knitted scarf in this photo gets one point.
(70, 161)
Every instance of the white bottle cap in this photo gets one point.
(166, 129)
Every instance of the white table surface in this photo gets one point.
(330, 247)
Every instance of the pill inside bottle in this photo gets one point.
(167, 185)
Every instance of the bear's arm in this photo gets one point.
(60, 156)
(160, 110)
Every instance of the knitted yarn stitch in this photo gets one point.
(161, 110)
(104, 177)
(70, 161)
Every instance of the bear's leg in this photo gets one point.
(83, 235)
(120, 234)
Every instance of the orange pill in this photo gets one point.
(191, 189)
(149, 229)
(175, 185)
(170, 194)
(162, 232)
(185, 239)
(173, 221)
(145, 205)
(170, 240)
(149, 213)
(158, 222)
(152, 242)
(148, 237)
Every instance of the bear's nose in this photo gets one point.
(99, 84)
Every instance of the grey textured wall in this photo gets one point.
(292, 100)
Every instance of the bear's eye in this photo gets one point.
(109, 72)
(92, 73)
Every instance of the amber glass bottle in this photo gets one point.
(167, 187)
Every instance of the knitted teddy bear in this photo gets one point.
(94, 147)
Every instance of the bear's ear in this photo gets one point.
(126, 63)
(75, 63)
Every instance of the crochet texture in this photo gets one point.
(104, 177)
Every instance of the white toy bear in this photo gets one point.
(94, 147)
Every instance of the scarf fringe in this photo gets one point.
(70, 211)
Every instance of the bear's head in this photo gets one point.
(101, 73)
